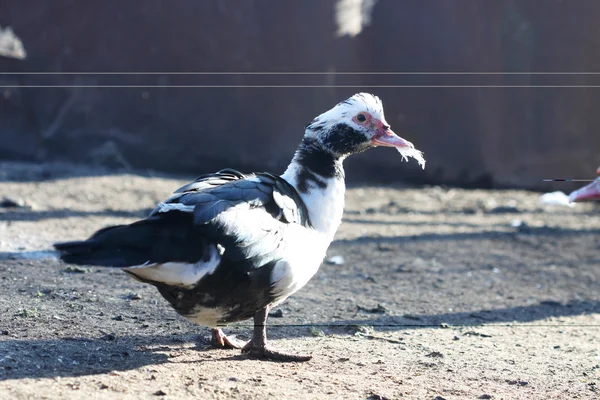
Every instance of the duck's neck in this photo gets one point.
(318, 176)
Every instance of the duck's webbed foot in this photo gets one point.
(258, 348)
(221, 341)
(265, 351)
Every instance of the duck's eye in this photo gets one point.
(361, 118)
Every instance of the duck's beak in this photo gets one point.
(589, 192)
(384, 136)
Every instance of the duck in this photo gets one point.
(230, 246)
(590, 192)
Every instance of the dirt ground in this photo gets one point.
(442, 294)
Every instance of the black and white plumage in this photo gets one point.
(229, 246)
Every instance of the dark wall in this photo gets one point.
(504, 136)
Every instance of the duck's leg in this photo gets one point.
(220, 340)
(258, 348)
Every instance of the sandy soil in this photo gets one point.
(443, 294)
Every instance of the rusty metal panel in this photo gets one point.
(480, 136)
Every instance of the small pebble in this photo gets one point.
(377, 397)
(7, 202)
(473, 333)
(384, 247)
(369, 278)
(380, 309)
(277, 313)
(316, 332)
(505, 210)
(550, 303)
(132, 296)
(76, 270)
(520, 225)
(515, 382)
(335, 260)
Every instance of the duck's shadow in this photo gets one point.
(80, 356)
(47, 358)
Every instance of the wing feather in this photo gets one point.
(226, 216)
(246, 214)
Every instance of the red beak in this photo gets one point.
(385, 137)
(589, 192)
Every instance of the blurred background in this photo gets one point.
(477, 130)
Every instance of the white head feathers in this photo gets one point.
(345, 110)
(346, 113)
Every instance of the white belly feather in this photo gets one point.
(304, 253)
(306, 248)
